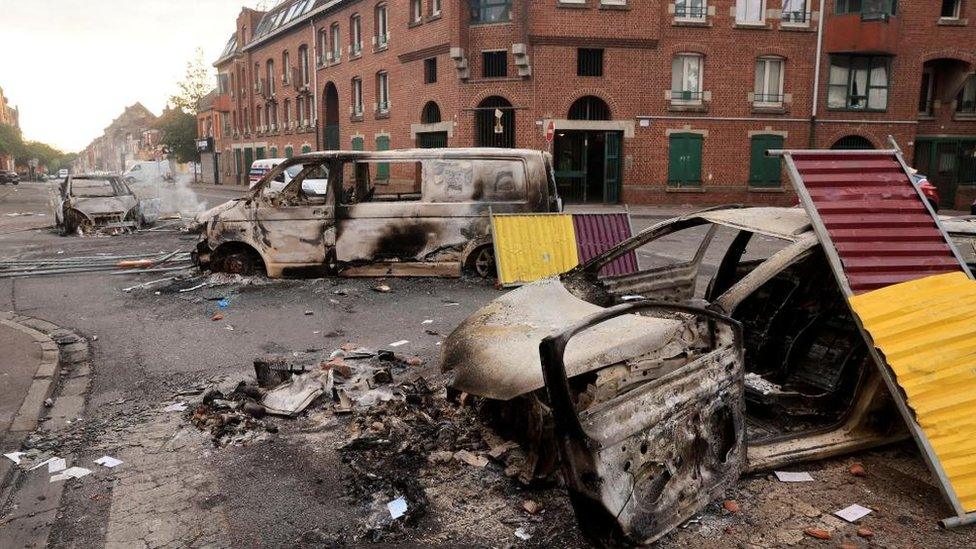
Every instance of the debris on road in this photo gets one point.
(399, 343)
(178, 407)
(14, 457)
(817, 533)
(397, 507)
(785, 476)
(853, 513)
(521, 534)
(108, 461)
(857, 470)
(109, 264)
(383, 289)
(73, 472)
(471, 459)
(292, 397)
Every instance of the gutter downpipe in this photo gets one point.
(315, 80)
(812, 141)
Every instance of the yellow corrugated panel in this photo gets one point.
(533, 246)
(926, 330)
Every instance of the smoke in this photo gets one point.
(174, 196)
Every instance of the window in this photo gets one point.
(355, 34)
(589, 107)
(494, 64)
(383, 168)
(382, 33)
(323, 47)
(765, 171)
(690, 9)
(357, 96)
(686, 78)
(795, 11)
(495, 123)
(430, 70)
(852, 142)
(925, 92)
(382, 92)
(869, 9)
(858, 82)
(285, 67)
(287, 113)
(950, 9)
(966, 100)
(357, 143)
(299, 111)
(271, 77)
(750, 12)
(491, 11)
(416, 11)
(589, 62)
(684, 160)
(769, 81)
(431, 113)
(435, 7)
(336, 43)
(303, 64)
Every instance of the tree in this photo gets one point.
(179, 130)
(10, 141)
(197, 83)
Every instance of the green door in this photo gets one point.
(611, 167)
(248, 160)
(239, 162)
(684, 160)
(289, 152)
(306, 149)
(383, 168)
(765, 171)
(260, 153)
(357, 144)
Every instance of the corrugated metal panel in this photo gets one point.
(533, 246)
(597, 232)
(925, 330)
(874, 217)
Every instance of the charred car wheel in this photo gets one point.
(241, 263)
(482, 262)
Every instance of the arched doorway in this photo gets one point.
(331, 139)
(853, 142)
(431, 114)
(587, 155)
(495, 123)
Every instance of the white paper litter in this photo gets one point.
(45, 462)
(178, 407)
(399, 343)
(74, 472)
(428, 321)
(293, 396)
(521, 534)
(397, 507)
(784, 476)
(56, 465)
(59, 478)
(853, 513)
(14, 457)
(108, 461)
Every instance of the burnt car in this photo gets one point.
(423, 212)
(101, 203)
(9, 177)
(653, 391)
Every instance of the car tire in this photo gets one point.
(481, 262)
(241, 263)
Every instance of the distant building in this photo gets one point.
(213, 123)
(128, 138)
(11, 117)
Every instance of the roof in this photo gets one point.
(229, 50)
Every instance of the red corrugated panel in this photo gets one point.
(597, 233)
(880, 227)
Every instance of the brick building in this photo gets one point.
(651, 101)
(128, 138)
(9, 116)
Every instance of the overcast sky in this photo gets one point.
(72, 66)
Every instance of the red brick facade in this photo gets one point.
(639, 40)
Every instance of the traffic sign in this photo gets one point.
(550, 131)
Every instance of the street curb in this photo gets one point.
(47, 374)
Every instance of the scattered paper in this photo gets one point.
(56, 465)
(59, 478)
(399, 343)
(428, 321)
(108, 461)
(853, 513)
(76, 472)
(784, 476)
(471, 459)
(178, 407)
(397, 507)
(14, 457)
(521, 534)
(43, 463)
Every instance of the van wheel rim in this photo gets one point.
(484, 262)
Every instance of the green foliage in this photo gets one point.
(10, 141)
(48, 157)
(179, 134)
(197, 83)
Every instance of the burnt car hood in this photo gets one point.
(495, 352)
(103, 205)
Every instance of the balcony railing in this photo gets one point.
(768, 98)
(797, 17)
(686, 96)
(690, 12)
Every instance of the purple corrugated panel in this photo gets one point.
(597, 233)
(875, 219)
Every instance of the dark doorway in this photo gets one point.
(331, 127)
(432, 140)
(495, 123)
(948, 162)
(588, 165)
(853, 142)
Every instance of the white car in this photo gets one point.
(315, 183)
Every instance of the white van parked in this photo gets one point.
(148, 171)
(314, 183)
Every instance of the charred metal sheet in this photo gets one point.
(785, 223)
(872, 214)
(925, 330)
(597, 233)
(640, 464)
(530, 247)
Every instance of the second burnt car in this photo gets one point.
(663, 385)
(102, 203)
(423, 212)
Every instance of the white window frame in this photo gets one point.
(684, 78)
(416, 11)
(335, 42)
(357, 96)
(805, 10)
(382, 34)
(383, 92)
(956, 14)
(739, 11)
(766, 62)
(688, 4)
(435, 7)
(356, 30)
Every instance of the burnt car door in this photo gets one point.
(646, 459)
